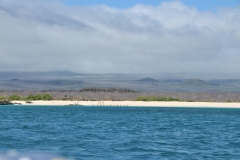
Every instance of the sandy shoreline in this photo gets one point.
(134, 103)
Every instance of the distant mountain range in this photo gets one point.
(37, 75)
(65, 80)
(141, 85)
(141, 77)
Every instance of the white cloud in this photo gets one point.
(42, 36)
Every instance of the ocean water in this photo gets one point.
(121, 132)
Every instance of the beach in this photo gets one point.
(133, 103)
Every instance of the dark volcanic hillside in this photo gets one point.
(147, 80)
(129, 82)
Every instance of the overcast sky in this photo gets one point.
(44, 35)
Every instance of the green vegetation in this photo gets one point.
(14, 98)
(44, 97)
(2, 98)
(144, 98)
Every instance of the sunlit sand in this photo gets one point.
(133, 103)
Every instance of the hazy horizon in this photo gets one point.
(156, 75)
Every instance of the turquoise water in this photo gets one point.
(122, 132)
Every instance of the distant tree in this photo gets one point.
(46, 97)
(3, 98)
(14, 98)
(30, 97)
(38, 97)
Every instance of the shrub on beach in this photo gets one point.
(14, 98)
(46, 97)
(39, 97)
(30, 97)
(3, 98)
(148, 98)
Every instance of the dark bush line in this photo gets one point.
(30, 97)
(148, 98)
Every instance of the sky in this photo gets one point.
(131, 37)
(202, 5)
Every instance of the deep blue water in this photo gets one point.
(122, 132)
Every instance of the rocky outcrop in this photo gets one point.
(5, 102)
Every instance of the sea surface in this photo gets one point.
(95, 133)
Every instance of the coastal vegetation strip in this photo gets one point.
(15, 97)
(149, 98)
(111, 95)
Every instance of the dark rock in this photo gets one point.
(29, 102)
(5, 102)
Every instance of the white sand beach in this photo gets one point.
(134, 103)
